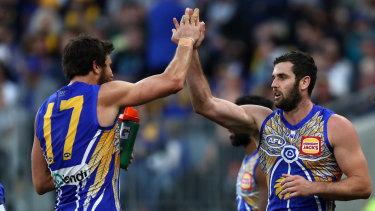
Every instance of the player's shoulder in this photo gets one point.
(340, 129)
(338, 121)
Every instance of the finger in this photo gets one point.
(288, 191)
(286, 175)
(191, 12)
(187, 16)
(195, 16)
(203, 29)
(286, 180)
(182, 21)
(175, 22)
(290, 195)
(286, 185)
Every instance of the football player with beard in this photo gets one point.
(304, 148)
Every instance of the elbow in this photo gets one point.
(40, 190)
(177, 85)
(367, 192)
(198, 110)
(364, 190)
(367, 189)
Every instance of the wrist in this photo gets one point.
(187, 41)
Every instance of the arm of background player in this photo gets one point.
(260, 177)
(41, 175)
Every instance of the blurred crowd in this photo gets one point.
(181, 160)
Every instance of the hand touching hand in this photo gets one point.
(189, 27)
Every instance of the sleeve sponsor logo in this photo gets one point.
(275, 141)
(247, 181)
(310, 145)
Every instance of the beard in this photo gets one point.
(291, 102)
(240, 139)
(104, 78)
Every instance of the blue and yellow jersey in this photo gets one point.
(246, 188)
(83, 156)
(301, 149)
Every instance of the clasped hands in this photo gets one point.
(189, 28)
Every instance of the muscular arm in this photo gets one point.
(41, 175)
(122, 93)
(351, 160)
(260, 177)
(113, 95)
(239, 119)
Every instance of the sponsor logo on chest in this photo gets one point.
(247, 181)
(311, 145)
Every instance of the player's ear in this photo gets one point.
(305, 82)
(95, 68)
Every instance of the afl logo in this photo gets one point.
(275, 141)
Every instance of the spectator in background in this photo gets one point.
(338, 69)
(12, 167)
(159, 48)
(366, 67)
(129, 61)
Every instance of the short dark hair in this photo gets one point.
(80, 53)
(255, 100)
(303, 65)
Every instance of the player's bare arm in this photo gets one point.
(260, 177)
(115, 94)
(351, 160)
(239, 119)
(235, 118)
(41, 175)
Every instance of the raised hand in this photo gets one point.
(189, 24)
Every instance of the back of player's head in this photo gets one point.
(303, 65)
(80, 53)
(255, 100)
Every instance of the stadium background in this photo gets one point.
(182, 161)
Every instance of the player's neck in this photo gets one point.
(251, 148)
(300, 112)
(88, 79)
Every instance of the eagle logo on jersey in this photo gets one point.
(277, 186)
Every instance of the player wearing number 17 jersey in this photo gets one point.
(83, 156)
(76, 144)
